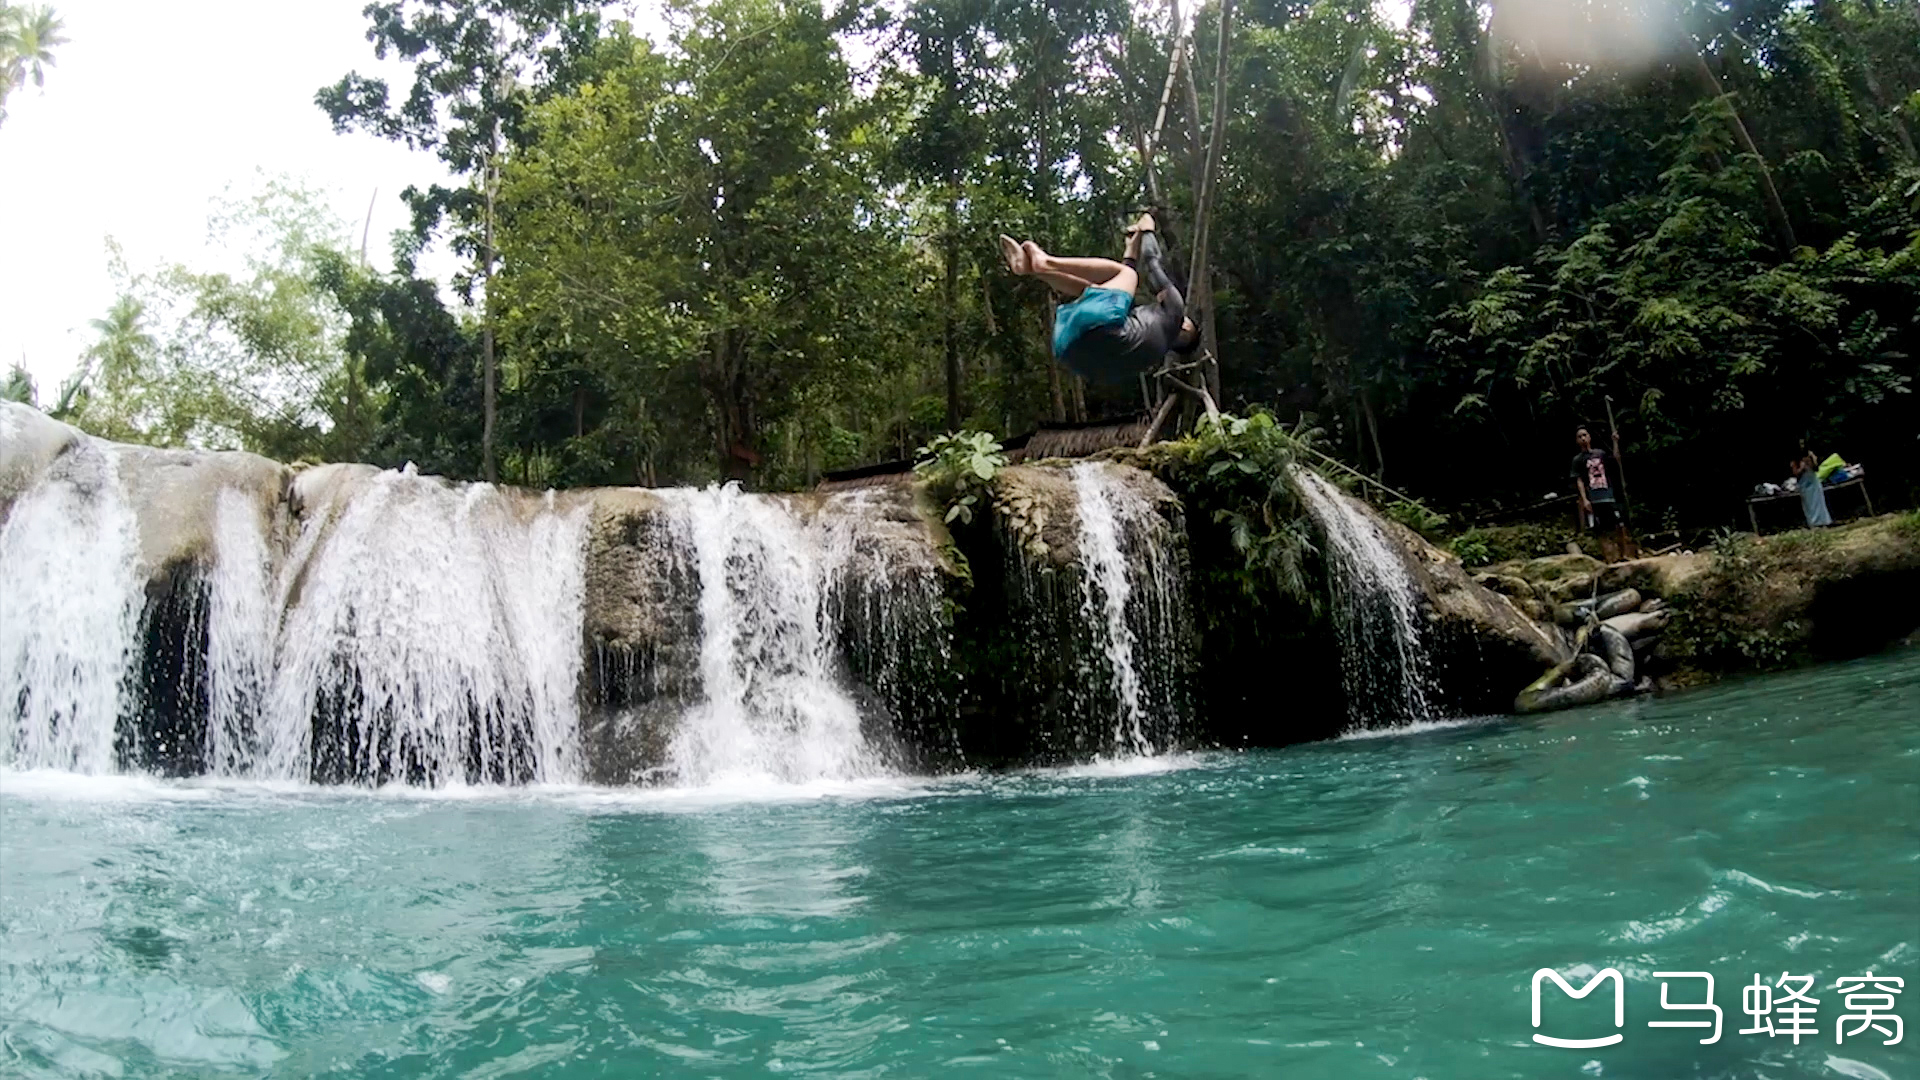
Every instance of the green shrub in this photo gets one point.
(1242, 470)
(1484, 547)
(958, 469)
(1418, 516)
(1472, 549)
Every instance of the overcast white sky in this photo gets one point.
(152, 111)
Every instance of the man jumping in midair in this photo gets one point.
(1099, 333)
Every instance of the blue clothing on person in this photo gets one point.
(1813, 500)
(1097, 307)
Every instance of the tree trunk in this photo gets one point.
(950, 298)
(1373, 429)
(734, 420)
(1776, 210)
(488, 391)
(1200, 279)
(1043, 204)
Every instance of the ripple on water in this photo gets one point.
(1353, 909)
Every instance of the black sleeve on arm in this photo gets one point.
(1157, 279)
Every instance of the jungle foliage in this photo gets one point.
(762, 247)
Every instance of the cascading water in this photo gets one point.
(431, 634)
(240, 626)
(1105, 587)
(1384, 664)
(69, 552)
(1114, 617)
(771, 704)
(885, 601)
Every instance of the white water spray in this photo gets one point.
(1376, 612)
(240, 628)
(69, 552)
(432, 634)
(1105, 587)
(771, 705)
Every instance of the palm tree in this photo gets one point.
(28, 36)
(18, 386)
(116, 367)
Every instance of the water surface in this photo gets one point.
(1364, 908)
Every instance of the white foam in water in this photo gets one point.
(69, 553)
(771, 708)
(437, 630)
(1376, 612)
(1416, 727)
(1106, 586)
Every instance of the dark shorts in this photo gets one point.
(1605, 517)
(1111, 354)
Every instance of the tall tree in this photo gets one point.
(947, 41)
(28, 36)
(476, 65)
(695, 233)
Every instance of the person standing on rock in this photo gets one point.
(1593, 473)
(1098, 333)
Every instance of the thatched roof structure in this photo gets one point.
(1079, 440)
(883, 474)
(1050, 440)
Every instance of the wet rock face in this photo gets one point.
(641, 636)
(175, 499)
(872, 563)
(1052, 671)
(1485, 642)
(30, 440)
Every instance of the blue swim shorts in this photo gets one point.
(1097, 307)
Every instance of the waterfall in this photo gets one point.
(771, 703)
(1105, 587)
(69, 554)
(240, 626)
(1132, 600)
(1383, 664)
(885, 597)
(431, 634)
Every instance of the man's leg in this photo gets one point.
(1074, 276)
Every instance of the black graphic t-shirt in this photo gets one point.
(1590, 467)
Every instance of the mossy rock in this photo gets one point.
(1794, 597)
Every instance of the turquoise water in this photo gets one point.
(1364, 908)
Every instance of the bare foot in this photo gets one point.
(1036, 258)
(1015, 256)
(1145, 224)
